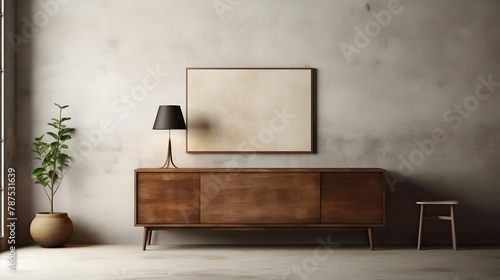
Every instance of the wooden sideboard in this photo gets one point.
(259, 198)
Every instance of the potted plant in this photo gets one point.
(52, 229)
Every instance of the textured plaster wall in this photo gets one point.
(408, 86)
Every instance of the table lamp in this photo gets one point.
(169, 117)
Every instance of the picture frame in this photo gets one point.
(250, 110)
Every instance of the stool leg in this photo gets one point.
(370, 239)
(420, 227)
(453, 234)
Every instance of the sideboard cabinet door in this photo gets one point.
(167, 198)
(352, 198)
(261, 198)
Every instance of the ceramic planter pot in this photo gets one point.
(51, 230)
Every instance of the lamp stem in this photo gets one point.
(169, 154)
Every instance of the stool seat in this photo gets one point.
(446, 202)
(450, 218)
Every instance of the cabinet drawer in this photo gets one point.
(352, 198)
(260, 198)
(163, 198)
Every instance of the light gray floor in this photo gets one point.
(251, 262)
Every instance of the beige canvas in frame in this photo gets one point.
(267, 110)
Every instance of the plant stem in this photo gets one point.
(54, 168)
(52, 204)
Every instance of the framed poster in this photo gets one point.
(250, 110)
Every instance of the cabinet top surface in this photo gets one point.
(243, 170)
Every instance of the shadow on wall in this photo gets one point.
(21, 41)
(84, 233)
(402, 218)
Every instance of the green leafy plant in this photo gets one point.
(52, 157)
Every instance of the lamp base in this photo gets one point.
(169, 155)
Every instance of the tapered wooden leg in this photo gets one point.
(420, 227)
(453, 236)
(146, 236)
(150, 236)
(370, 239)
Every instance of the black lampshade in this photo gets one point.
(169, 117)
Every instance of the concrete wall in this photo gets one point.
(410, 87)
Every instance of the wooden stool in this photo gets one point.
(450, 218)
